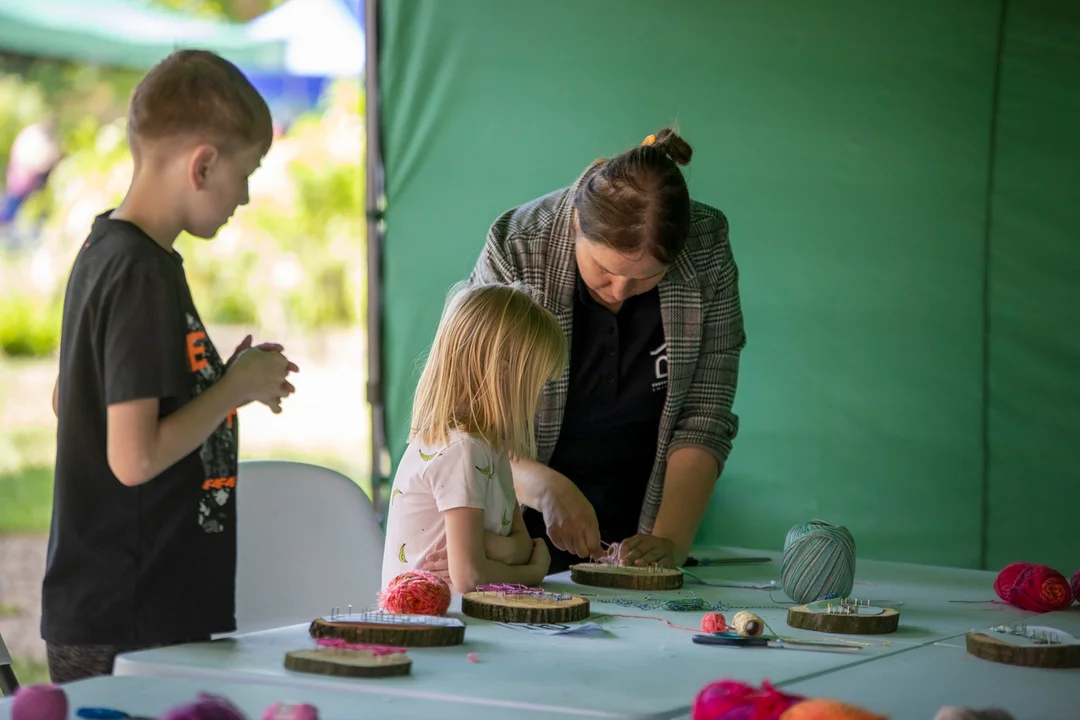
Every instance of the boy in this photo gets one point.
(142, 549)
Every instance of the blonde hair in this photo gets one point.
(494, 350)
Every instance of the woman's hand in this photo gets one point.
(643, 550)
(570, 518)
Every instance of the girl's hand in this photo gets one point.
(540, 560)
(643, 550)
(438, 564)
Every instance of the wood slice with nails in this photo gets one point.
(387, 632)
(804, 618)
(520, 608)
(1038, 656)
(347, 663)
(626, 578)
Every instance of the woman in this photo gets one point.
(634, 434)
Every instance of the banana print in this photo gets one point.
(401, 554)
(505, 520)
(426, 458)
(394, 494)
(488, 471)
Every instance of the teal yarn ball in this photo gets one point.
(819, 560)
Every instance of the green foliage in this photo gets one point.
(30, 672)
(30, 327)
(26, 500)
(236, 10)
(293, 259)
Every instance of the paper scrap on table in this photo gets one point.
(1032, 634)
(589, 629)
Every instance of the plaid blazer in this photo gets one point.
(699, 304)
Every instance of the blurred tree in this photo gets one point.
(235, 10)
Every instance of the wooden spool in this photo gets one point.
(626, 578)
(392, 630)
(887, 621)
(1039, 656)
(348, 663)
(521, 608)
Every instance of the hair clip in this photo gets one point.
(649, 140)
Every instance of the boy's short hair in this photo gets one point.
(199, 93)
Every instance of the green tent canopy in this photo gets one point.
(124, 33)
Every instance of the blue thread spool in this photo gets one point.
(819, 560)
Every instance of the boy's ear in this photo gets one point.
(202, 159)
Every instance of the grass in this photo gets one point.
(30, 672)
(26, 480)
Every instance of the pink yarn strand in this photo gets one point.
(339, 644)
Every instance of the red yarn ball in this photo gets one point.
(1075, 583)
(416, 592)
(1037, 588)
(713, 622)
(734, 700)
(1007, 578)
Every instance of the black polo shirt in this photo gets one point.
(618, 385)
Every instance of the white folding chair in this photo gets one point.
(8, 683)
(308, 540)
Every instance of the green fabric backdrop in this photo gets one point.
(849, 142)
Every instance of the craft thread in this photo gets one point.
(747, 623)
(416, 592)
(714, 622)
(1037, 588)
(40, 702)
(818, 560)
(376, 650)
(504, 589)
(734, 699)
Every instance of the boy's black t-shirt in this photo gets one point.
(154, 563)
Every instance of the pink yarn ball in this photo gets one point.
(713, 622)
(415, 592)
(734, 700)
(1075, 584)
(281, 711)
(40, 702)
(207, 707)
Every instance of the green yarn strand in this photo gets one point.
(819, 560)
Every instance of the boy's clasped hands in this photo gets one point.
(262, 372)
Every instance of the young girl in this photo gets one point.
(453, 492)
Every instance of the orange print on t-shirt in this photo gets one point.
(196, 350)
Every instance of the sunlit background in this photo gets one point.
(289, 267)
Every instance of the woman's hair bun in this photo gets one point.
(674, 146)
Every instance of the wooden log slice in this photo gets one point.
(626, 578)
(515, 608)
(347, 663)
(887, 621)
(1039, 656)
(395, 631)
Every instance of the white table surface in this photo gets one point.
(641, 666)
(154, 696)
(918, 683)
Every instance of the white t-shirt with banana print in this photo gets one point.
(430, 481)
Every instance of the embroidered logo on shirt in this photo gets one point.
(661, 367)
